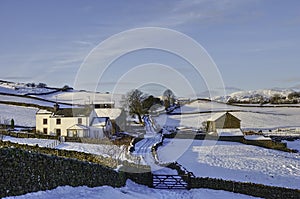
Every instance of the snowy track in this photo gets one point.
(143, 148)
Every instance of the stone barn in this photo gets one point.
(223, 121)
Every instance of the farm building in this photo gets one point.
(116, 115)
(223, 121)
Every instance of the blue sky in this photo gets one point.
(254, 43)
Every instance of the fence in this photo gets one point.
(53, 144)
(170, 182)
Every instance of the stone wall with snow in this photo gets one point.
(23, 169)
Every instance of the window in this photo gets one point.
(58, 121)
(45, 121)
(70, 133)
(58, 132)
(45, 130)
(79, 120)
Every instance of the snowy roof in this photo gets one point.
(112, 113)
(219, 115)
(104, 102)
(257, 137)
(229, 132)
(43, 111)
(99, 121)
(216, 116)
(74, 112)
(78, 127)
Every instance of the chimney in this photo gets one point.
(56, 107)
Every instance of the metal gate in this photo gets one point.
(170, 182)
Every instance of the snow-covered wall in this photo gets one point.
(27, 169)
(24, 172)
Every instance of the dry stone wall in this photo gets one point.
(25, 169)
(22, 172)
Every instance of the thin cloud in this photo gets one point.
(84, 43)
(205, 11)
(291, 80)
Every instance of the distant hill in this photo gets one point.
(273, 96)
(25, 88)
(261, 96)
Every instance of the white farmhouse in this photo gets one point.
(73, 122)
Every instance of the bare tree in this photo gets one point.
(169, 98)
(133, 103)
(4, 123)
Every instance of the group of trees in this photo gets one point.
(294, 95)
(39, 85)
(66, 88)
(257, 99)
(139, 103)
(292, 98)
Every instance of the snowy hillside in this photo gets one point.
(23, 88)
(15, 92)
(20, 101)
(264, 93)
(85, 97)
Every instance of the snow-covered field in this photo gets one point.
(114, 151)
(293, 144)
(130, 191)
(281, 117)
(202, 105)
(25, 100)
(30, 141)
(188, 120)
(251, 117)
(21, 88)
(23, 116)
(234, 161)
(84, 97)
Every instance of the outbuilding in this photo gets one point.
(223, 121)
